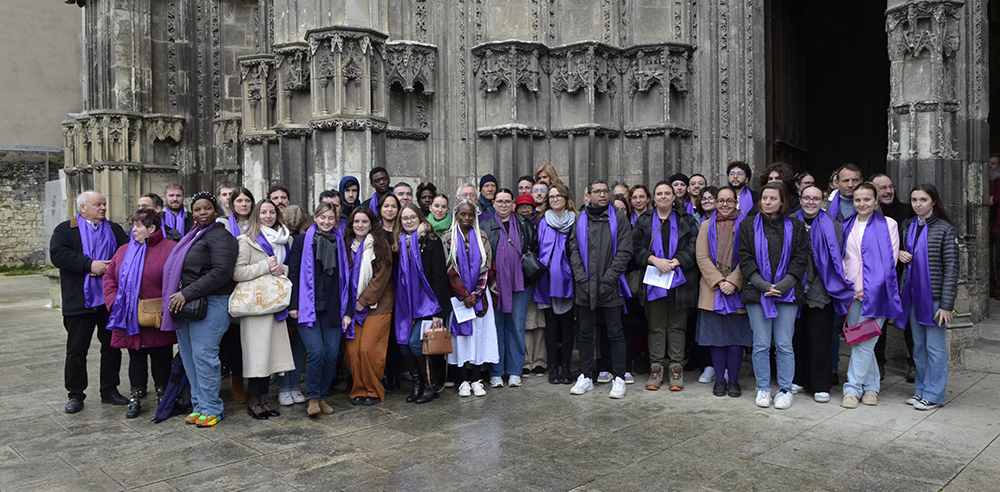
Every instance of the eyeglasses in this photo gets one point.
(538, 192)
(707, 199)
(733, 174)
(600, 191)
(502, 202)
(811, 199)
(551, 197)
(725, 201)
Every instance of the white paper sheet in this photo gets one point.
(656, 279)
(424, 326)
(462, 313)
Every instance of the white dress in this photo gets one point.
(481, 346)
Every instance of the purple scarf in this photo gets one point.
(829, 261)
(689, 207)
(510, 275)
(583, 239)
(918, 280)
(656, 240)
(414, 297)
(359, 316)
(124, 311)
(373, 204)
(468, 269)
(881, 291)
(234, 225)
(307, 278)
(635, 217)
(764, 263)
(558, 280)
(269, 251)
(746, 201)
(172, 273)
(99, 244)
(174, 221)
(725, 304)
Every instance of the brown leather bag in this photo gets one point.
(437, 340)
(151, 312)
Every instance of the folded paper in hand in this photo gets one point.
(462, 313)
(656, 279)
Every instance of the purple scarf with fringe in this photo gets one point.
(881, 290)
(307, 278)
(558, 280)
(829, 261)
(917, 292)
(468, 269)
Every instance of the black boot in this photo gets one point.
(160, 390)
(566, 376)
(411, 366)
(427, 393)
(555, 373)
(134, 403)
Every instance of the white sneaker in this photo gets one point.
(298, 397)
(763, 398)
(514, 381)
(496, 382)
(628, 378)
(285, 398)
(617, 388)
(478, 389)
(604, 377)
(449, 384)
(782, 400)
(821, 397)
(708, 375)
(926, 405)
(465, 389)
(913, 400)
(796, 389)
(583, 385)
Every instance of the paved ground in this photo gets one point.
(536, 437)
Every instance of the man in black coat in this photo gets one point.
(83, 308)
(178, 222)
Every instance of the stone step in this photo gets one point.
(990, 330)
(983, 356)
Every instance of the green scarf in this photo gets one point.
(440, 225)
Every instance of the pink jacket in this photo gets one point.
(157, 250)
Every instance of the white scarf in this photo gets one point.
(367, 258)
(278, 239)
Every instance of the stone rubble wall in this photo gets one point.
(22, 204)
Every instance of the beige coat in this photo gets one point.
(266, 349)
(710, 274)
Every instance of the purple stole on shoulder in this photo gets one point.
(307, 278)
(174, 221)
(124, 314)
(558, 281)
(414, 297)
(656, 243)
(689, 207)
(881, 292)
(234, 225)
(468, 268)
(583, 239)
(99, 244)
(509, 273)
(829, 261)
(917, 292)
(269, 251)
(746, 201)
(172, 273)
(725, 304)
(373, 204)
(764, 263)
(359, 316)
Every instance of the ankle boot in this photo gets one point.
(134, 403)
(427, 392)
(160, 391)
(411, 367)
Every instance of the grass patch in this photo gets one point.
(25, 269)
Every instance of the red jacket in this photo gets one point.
(157, 250)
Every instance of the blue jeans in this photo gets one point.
(931, 358)
(198, 344)
(862, 371)
(290, 380)
(413, 346)
(322, 345)
(510, 336)
(781, 328)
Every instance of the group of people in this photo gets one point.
(683, 276)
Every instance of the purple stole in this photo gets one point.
(468, 269)
(124, 310)
(174, 221)
(689, 207)
(266, 246)
(746, 201)
(764, 263)
(414, 297)
(172, 273)
(656, 242)
(359, 316)
(881, 294)
(829, 261)
(583, 239)
(99, 245)
(917, 291)
(634, 218)
(510, 275)
(307, 278)
(725, 304)
(558, 281)
(234, 225)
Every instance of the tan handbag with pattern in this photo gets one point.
(266, 294)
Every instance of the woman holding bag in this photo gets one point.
(871, 247)
(263, 250)
(928, 295)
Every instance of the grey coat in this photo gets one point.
(942, 251)
(600, 289)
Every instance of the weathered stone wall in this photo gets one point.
(22, 198)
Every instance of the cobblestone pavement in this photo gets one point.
(536, 437)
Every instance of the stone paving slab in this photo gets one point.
(536, 437)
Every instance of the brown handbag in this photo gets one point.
(151, 312)
(437, 340)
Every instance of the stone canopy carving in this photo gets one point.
(930, 26)
(666, 64)
(575, 67)
(409, 63)
(117, 138)
(513, 63)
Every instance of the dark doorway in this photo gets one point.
(994, 43)
(827, 85)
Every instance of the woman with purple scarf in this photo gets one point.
(136, 273)
(242, 205)
(469, 260)
(422, 295)
(871, 248)
(929, 290)
(554, 291)
(774, 253)
(263, 250)
(723, 324)
(510, 236)
(201, 266)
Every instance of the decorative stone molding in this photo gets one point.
(160, 127)
(106, 137)
(407, 133)
(408, 63)
(257, 138)
(513, 130)
(668, 64)
(340, 56)
(584, 130)
(512, 63)
(293, 132)
(259, 91)
(292, 62)
(930, 26)
(355, 124)
(674, 131)
(578, 66)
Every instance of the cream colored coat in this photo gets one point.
(266, 349)
(710, 274)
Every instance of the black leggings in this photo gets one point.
(159, 359)
(258, 386)
(556, 326)
(470, 373)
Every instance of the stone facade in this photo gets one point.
(22, 205)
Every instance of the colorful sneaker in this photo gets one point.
(209, 420)
(655, 377)
(676, 378)
(192, 418)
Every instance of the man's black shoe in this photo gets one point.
(74, 405)
(115, 399)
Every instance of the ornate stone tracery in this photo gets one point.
(408, 64)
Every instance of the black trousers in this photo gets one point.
(141, 361)
(811, 344)
(79, 334)
(612, 316)
(258, 386)
(558, 326)
(231, 350)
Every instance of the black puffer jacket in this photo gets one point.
(942, 251)
(774, 230)
(686, 294)
(209, 265)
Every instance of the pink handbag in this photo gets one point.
(862, 331)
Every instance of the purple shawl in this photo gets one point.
(359, 316)
(764, 263)
(632, 221)
(917, 291)
(689, 207)
(414, 297)
(583, 239)
(881, 291)
(510, 275)
(829, 261)
(746, 201)
(124, 311)
(99, 244)
(172, 273)
(234, 225)
(468, 269)
(174, 221)
(307, 278)
(269, 251)
(373, 204)
(725, 304)
(656, 241)
(558, 280)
